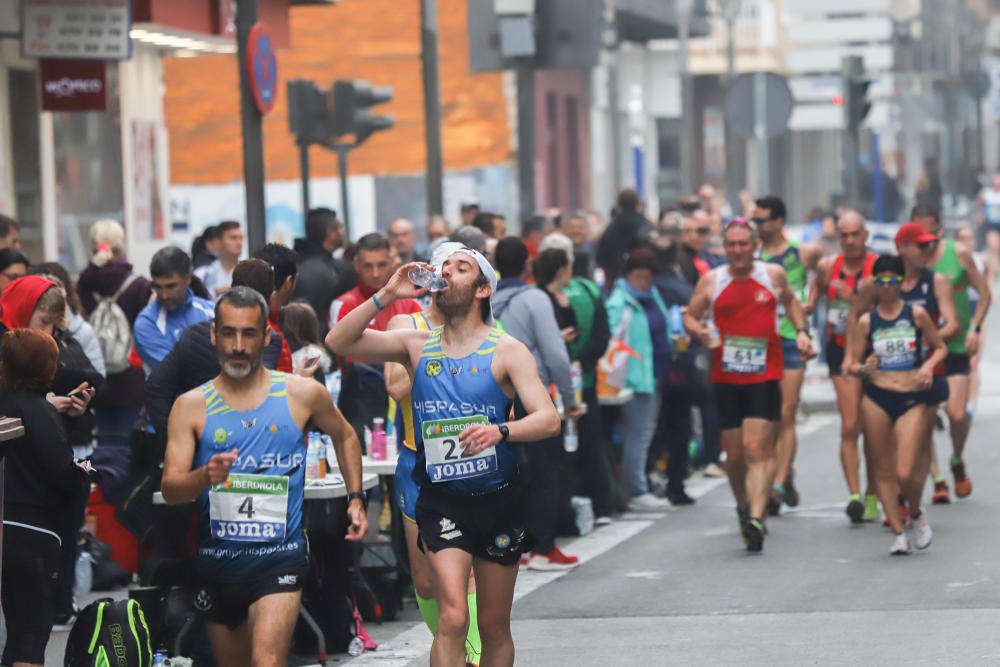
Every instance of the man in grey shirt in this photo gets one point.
(526, 313)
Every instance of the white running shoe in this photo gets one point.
(900, 546)
(920, 528)
(713, 470)
(603, 521)
(647, 502)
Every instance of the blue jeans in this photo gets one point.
(639, 416)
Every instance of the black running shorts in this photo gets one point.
(736, 402)
(490, 527)
(228, 603)
(30, 565)
(956, 364)
(834, 358)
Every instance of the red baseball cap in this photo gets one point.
(914, 232)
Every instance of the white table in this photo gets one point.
(623, 397)
(370, 466)
(333, 487)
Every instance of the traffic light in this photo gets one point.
(858, 104)
(351, 109)
(308, 113)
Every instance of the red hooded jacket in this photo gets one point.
(18, 300)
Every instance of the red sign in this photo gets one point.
(262, 63)
(73, 85)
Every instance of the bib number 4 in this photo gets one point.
(249, 508)
(445, 459)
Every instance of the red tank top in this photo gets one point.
(746, 314)
(836, 308)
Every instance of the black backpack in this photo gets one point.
(109, 633)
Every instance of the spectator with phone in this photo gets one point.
(300, 324)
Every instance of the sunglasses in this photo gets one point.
(887, 281)
(741, 222)
(703, 231)
(926, 245)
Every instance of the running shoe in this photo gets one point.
(603, 521)
(900, 545)
(774, 502)
(963, 485)
(713, 470)
(647, 502)
(920, 529)
(755, 532)
(904, 514)
(791, 495)
(551, 561)
(941, 495)
(856, 510)
(871, 514)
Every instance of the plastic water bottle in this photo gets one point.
(356, 647)
(715, 338)
(378, 439)
(333, 385)
(424, 277)
(391, 442)
(576, 374)
(571, 441)
(160, 659)
(675, 321)
(312, 457)
(84, 579)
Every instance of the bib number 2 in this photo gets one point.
(445, 459)
(249, 508)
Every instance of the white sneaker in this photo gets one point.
(920, 528)
(713, 470)
(647, 502)
(900, 546)
(603, 521)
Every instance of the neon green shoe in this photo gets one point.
(872, 513)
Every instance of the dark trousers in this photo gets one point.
(593, 459)
(541, 464)
(703, 398)
(674, 431)
(68, 553)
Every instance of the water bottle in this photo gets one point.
(424, 277)
(391, 442)
(333, 385)
(571, 441)
(378, 439)
(84, 579)
(160, 659)
(576, 374)
(715, 338)
(312, 457)
(675, 322)
(356, 647)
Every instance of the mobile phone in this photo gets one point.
(77, 392)
(312, 361)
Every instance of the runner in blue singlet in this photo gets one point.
(236, 446)
(464, 374)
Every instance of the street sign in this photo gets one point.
(262, 65)
(740, 105)
(76, 29)
(73, 85)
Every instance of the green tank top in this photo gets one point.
(583, 296)
(951, 267)
(791, 262)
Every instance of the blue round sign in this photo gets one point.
(263, 68)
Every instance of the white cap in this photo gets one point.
(446, 250)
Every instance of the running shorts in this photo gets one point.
(790, 354)
(939, 391)
(28, 589)
(490, 526)
(405, 489)
(956, 363)
(228, 603)
(736, 402)
(834, 358)
(895, 403)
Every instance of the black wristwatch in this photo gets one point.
(359, 495)
(504, 432)
(806, 332)
(978, 328)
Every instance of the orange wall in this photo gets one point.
(374, 40)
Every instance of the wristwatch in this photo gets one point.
(978, 328)
(504, 432)
(358, 495)
(806, 332)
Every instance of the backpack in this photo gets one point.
(109, 633)
(114, 333)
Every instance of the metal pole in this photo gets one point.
(253, 133)
(432, 106)
(304, 171)
(526, 139)
(687, 99)
(614, 119)
(342, 151)
(760, 133)
(734, 156)
(851, 66)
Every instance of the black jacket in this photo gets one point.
(74, 367)
(321, 279)
(625, 233)
(191, 363)
(41, 482)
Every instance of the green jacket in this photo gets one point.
(640, 377)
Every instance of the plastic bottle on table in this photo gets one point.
(378, 452)
(312, 457)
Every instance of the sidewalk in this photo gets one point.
(818, 396)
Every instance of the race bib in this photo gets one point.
(249, 508)
(836, 316)
(445, 461)
(896, 348)
(744, 355)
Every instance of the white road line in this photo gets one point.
(412, 644)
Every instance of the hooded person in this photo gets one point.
(24, 296)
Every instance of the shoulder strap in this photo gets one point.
(124, 286)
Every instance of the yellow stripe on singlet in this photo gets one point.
(406, 406)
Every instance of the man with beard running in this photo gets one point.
(742, 299)
(465, 374)
(839, 279)
(797, 260)
(237, 446)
